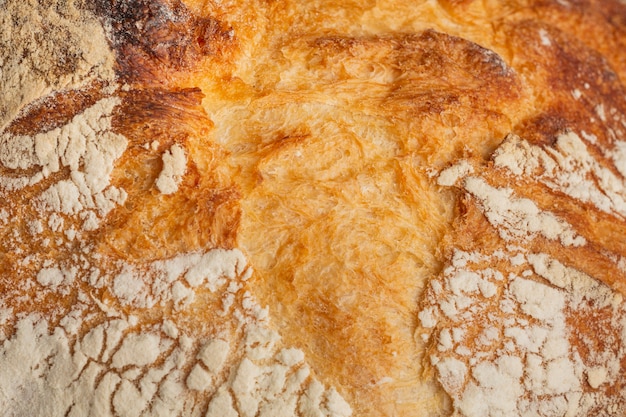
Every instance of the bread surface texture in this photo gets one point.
(285, 208)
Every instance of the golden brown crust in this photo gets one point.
(313, 137)
(152, 226)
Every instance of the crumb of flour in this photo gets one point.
(174, 167)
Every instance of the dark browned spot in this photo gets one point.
(153, 37)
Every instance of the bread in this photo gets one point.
(262, 208)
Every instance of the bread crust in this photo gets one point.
(359, 156)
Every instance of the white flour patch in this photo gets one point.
(519, 218)
(87, 147)
(118, 368)
(521, 361)
(174, 167)
(569, 168)
(44, 49)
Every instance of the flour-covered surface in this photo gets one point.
(97, 360)
(88, 327)
(528, 317)
(519, 333)
(249, 208)
(43, 50)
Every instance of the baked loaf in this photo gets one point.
(262, 208)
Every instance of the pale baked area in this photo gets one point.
(321, 208)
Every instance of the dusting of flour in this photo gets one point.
(503, 341)
(505, 325)
(86, 146)
(122, 367)
(43, 48)
(569, 168)
(110, 343)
